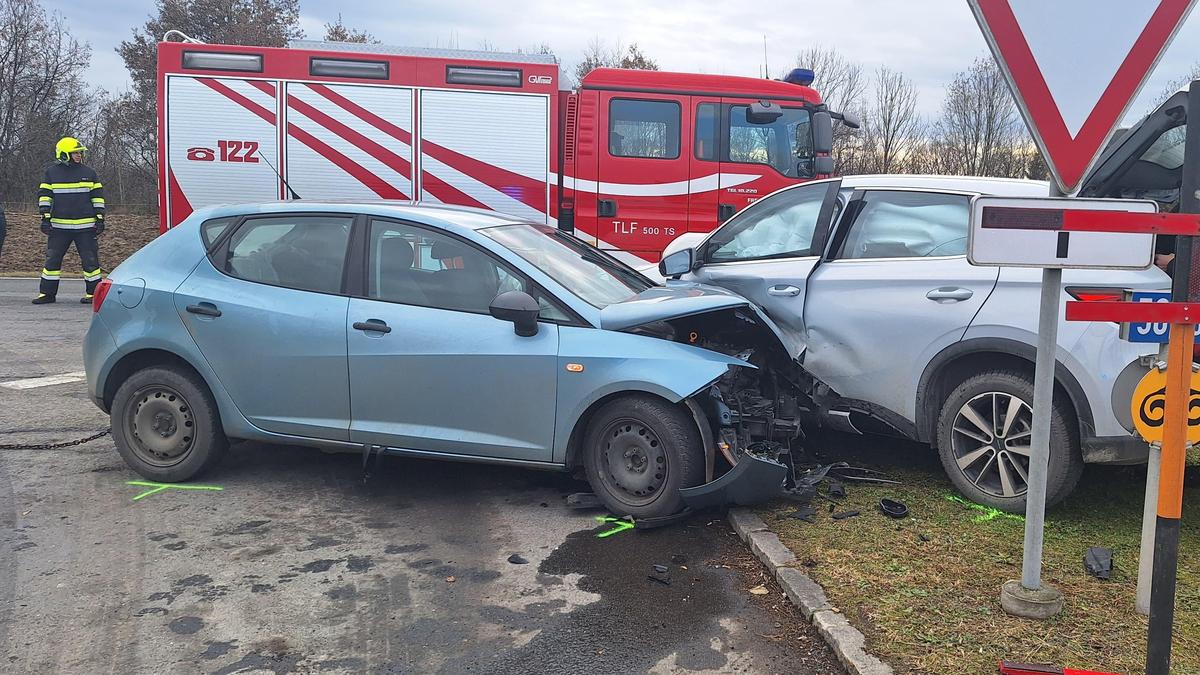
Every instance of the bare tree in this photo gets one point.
(843, 87)
(1175, 85)
(598, 55)
(340, 32)
(891, 126)
(979, 132)
(42, 94)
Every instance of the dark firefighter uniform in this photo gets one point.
(71, 200)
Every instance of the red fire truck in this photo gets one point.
(628, 160)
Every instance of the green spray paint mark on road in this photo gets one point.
(620, 525)
(159, 487)
(989, 513)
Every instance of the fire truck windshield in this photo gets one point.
(785, 144)
(596, 277)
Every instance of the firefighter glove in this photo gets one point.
(46, 224)
(100, 226)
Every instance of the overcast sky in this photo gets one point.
(929, 40)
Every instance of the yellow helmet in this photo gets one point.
(65, 146)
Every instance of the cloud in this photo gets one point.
(928, 40)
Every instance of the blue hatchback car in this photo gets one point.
(434, 332)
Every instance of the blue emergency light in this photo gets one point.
(800, 76)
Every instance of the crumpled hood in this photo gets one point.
(682, 298)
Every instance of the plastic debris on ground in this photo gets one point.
(1099, 562)
(661, 574)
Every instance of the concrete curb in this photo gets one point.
(846, 641)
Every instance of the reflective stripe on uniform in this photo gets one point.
(73, 221)
(45, 201)
(69, 190)
(83, 226)
(70, 186)
(97, 201)
(92, 276)
(44, 186)
(51, 275)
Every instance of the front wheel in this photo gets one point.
(985, 437)
(638, 452)
(166, 425)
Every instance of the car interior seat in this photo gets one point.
(467, 282)
(398, 281)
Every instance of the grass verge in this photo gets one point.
(925, 590)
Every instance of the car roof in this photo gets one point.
(1003, 187)
(464, 217)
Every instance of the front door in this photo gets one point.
(430, 369)
(267, 314)
(642, 191)
(767, 253)
(758, 158)
(897, 290)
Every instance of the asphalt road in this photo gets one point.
(297, 565)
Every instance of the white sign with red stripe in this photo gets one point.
(1031, 232)
(1074, 66)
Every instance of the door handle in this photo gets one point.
(782, 291)
(373, 325)
(947, 294)
(204, 309)
(606, 208)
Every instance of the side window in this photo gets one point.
(782, 225)
(706, 132)
(899, 224)
(416, 266)
(211, 230)
(303, 252)
(638, 128)
(785, 144)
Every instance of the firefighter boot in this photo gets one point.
(43, 299)
(86, 299)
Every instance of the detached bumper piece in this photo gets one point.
(753, 480)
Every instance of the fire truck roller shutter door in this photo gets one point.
(219, 130)
(349, 141)
(488, 150)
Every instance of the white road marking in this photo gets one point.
(48, 381)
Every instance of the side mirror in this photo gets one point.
(823, 165)
(822, 130)
(763, 112)
(518, 307)
(851, 120)
(677, 264)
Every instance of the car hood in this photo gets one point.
(678, 299)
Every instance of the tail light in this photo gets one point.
(1096, 294)
(100, 294)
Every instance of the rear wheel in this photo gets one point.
(985, 438)
(165, 424)
(638, 452)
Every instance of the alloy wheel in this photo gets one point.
(990, 439)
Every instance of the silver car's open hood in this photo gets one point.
(682, 298)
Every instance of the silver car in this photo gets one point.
(897, 333)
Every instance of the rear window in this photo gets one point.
(210, 230)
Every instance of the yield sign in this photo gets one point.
(1074, 66)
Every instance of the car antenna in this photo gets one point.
(281, 178)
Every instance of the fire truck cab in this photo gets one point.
(627, 161)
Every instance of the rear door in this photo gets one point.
(642, 173)
(767, 252)
(897, 289)
(268, 314)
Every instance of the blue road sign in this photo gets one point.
(1145, 331)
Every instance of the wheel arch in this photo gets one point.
(141, 359)
(953, 365)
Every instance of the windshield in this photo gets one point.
(596, 277)
(1167, 151)
(785, 144)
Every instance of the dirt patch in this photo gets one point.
(25, 246)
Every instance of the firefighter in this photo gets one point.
(71, 200)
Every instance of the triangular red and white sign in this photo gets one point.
(1074, 67)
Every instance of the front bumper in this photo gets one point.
(1115, 450)
(753, 480)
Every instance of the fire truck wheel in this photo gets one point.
(165, 424)
(639, 451)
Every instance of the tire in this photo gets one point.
(166, 426)
(986, 465)
(629, 437)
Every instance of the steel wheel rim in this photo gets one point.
(160, 426)
(633, 462)
(991, 441)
